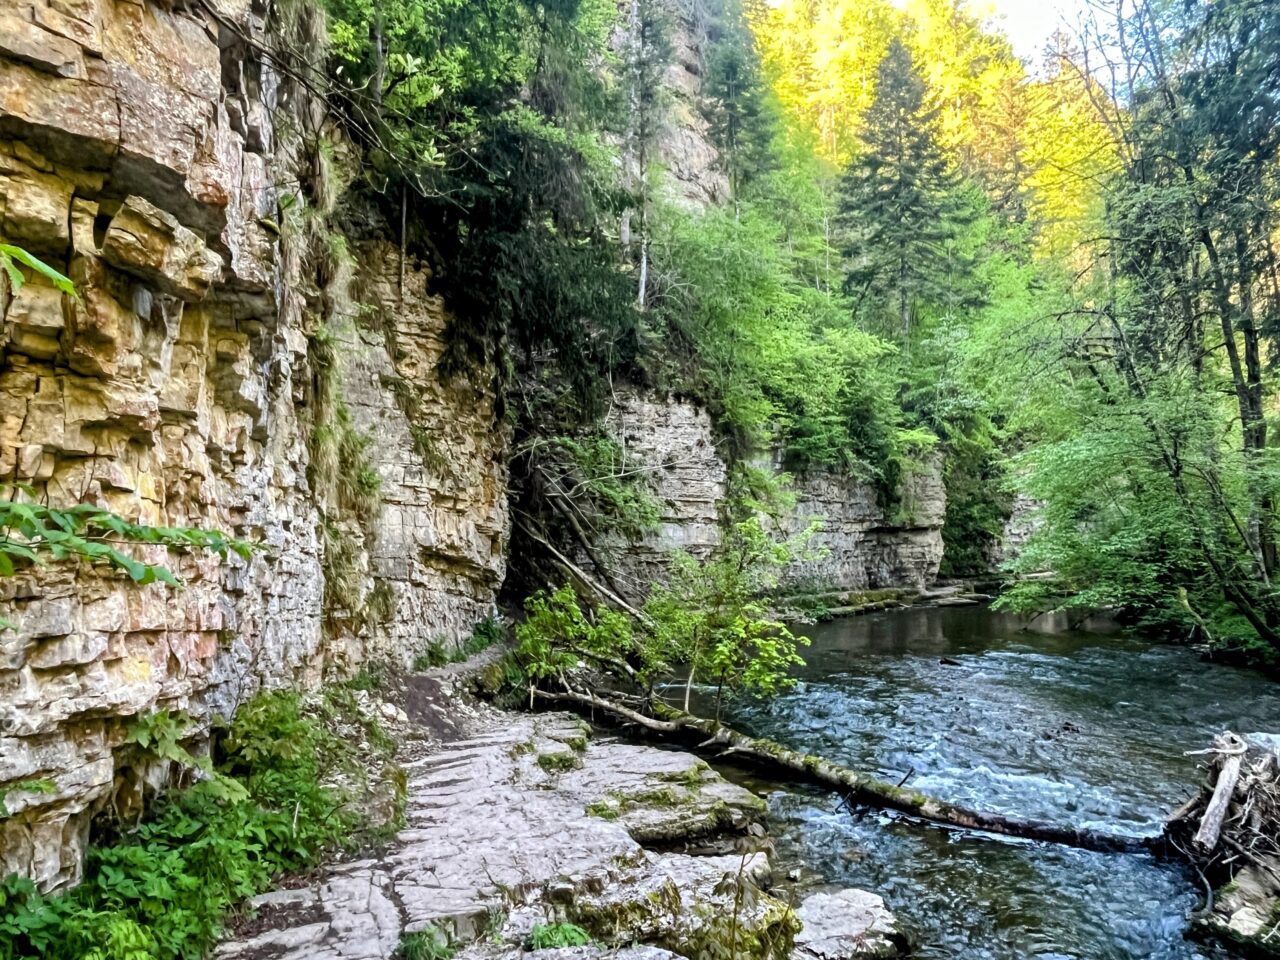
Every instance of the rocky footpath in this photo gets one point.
(517, 820)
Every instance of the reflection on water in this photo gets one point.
(1079, 726)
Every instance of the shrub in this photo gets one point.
(550, 936)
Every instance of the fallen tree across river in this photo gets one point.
(1229, 832)
(717, 741)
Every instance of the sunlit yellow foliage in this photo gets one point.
(1068, 153)
(1036, 144)
(822, 56)
(966, 64)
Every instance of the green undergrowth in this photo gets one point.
(485, 634)
(552, 936)
(267, 805)
(426, 944)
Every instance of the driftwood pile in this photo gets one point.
(1230, 831)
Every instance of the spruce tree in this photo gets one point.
(740, 120)
(898, 207)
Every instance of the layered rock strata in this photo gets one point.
(527, 821)
(139, 155)
(862, 543)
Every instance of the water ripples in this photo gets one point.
(1084, 728)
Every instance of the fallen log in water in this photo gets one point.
(720, 742)
(1232, 750)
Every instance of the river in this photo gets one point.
(1082, 726)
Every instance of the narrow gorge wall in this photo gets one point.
(138, 155)
(860, 545)
(864, 544)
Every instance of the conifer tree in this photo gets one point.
(899, 210)
(741, 121)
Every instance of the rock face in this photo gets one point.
(672, 443)
(527, 821)
(693, 177)
(687, 172)
(860, 545)
(440, 449)
(1023, 523)
(137, 155)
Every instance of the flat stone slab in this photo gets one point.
(529, 821)
(844, 925)
(499, 819)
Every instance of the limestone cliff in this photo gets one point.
(139, 153)
(860, 545)
(151, 150)
(864, 544)
(693, 177)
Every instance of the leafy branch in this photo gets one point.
(11, 256)
(33, 534)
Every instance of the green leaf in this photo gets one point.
(60, 281)
(16, 279)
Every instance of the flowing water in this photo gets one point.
(1080, 726)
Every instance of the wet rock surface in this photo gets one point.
(526, 820)
(847, 923)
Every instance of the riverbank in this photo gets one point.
(834, 604)
(519, 826)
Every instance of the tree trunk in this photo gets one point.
(1233, 750)
(721, 742)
